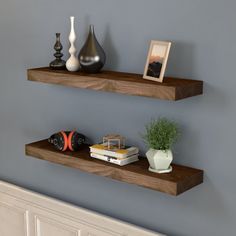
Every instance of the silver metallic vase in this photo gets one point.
(92, 56)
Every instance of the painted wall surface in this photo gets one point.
(203, 35)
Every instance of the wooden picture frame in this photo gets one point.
(157, 60)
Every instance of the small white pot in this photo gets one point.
(160, 160)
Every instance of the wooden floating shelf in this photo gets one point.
(119, 82)
(180, 180)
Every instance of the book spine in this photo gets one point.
(105, 158)
(105, 152)
(114, 160)
(113, 154)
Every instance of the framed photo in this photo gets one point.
(157, 60)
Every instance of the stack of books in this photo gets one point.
(119, 157)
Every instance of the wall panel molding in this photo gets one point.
(25, 213)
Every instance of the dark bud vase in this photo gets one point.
(58, 63)
(92, 56)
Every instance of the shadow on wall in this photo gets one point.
(217, 207)
(107, 44)
(112, 60)
(182, 58)
(214, 100)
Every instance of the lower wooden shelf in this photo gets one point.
(180, 180)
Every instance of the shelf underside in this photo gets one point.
(119, 82)
(180, 180)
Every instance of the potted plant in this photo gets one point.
(160, 136)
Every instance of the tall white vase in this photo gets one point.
(72, 63)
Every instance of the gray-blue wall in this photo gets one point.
(203, 35)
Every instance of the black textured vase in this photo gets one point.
(92, 56)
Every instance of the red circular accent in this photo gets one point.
(70, 140)
(65, 141)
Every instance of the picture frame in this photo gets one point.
(157, 60)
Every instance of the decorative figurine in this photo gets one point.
(65, 140)
(92, 56)
(72, 63)
(58, 63)
(114, 141)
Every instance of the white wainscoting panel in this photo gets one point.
(13, 220)
(24, 213)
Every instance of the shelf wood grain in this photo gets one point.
(119, 82)
(180, 180)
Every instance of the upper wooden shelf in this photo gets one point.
(178, 181)
(119, 82)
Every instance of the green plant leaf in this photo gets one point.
(161, 134)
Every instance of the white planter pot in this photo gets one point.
(160, 160)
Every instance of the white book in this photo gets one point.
(119, 153)
(116, 161)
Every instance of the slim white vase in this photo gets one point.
(72, 63)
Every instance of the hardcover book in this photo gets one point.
(119, 153)
(116, 161)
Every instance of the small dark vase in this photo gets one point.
(58, 63)
(92, 56)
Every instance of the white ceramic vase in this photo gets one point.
(72, 63)
(160, 160)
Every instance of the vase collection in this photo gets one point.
(91, 58)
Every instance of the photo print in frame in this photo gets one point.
(157, 60)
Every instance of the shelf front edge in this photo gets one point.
(109, 172)
(129, 87)
(115, 172)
